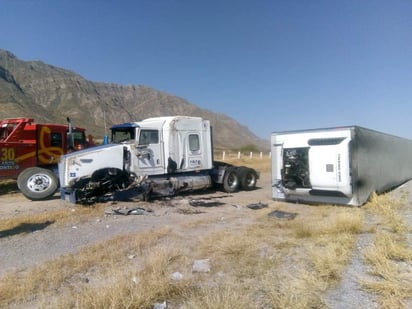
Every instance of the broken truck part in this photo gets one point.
(337, 165)
(29, 152)
(160, 156)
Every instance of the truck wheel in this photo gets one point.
(37, 183)
(248, 178)
(231, 181)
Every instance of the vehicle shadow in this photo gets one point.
(7, 187)
(25, 228)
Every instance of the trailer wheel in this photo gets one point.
(37, 183)
(248, 178)
(231, 181)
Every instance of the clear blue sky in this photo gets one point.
(271, 65)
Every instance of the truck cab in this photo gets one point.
(155, 157)
(165, 145)
(161, 148)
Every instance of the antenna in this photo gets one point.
(105, 137)
(104, 119)
(70, 134)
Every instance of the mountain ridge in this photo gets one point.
(50, 94)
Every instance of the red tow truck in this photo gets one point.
(29, 152)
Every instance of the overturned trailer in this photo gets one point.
(337, 165)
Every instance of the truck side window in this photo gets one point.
(3, 133)
(56, 140)
(194, 144)
(149, 137)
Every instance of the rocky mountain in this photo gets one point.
(50, 94)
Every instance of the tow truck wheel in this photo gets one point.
(231, 181)
(37, 183)
(248, 178)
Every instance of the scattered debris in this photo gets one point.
(135, 192)
(217, 196)
(176, 276)
(204, 203)
(160, 305)
(201, 266)
(127, 211)
(283, 215)
(259, 205)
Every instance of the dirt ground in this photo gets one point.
(14, 204)
(21, 250)
(51, 240)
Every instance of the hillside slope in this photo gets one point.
(50, 94)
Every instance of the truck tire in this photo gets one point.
(37, 183)
(231, 181)
(248, 178)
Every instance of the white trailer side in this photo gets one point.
(337, 165)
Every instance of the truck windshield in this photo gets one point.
(122, 135)
(75, 140)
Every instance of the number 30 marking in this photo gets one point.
(7, 154)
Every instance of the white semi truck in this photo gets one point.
(159, 156)
(337, 165)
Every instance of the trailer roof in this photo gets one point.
(317, 129)
(338, 128)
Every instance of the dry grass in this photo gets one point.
(99, 259)
(228, 295)
(389, 245)
(261, 165)
(266, 264)
(389, 210)
(294, 290)
(139, 288)
(389, 253)
(328, 239)
(270, 263)
(261, 259)
(337, 221)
